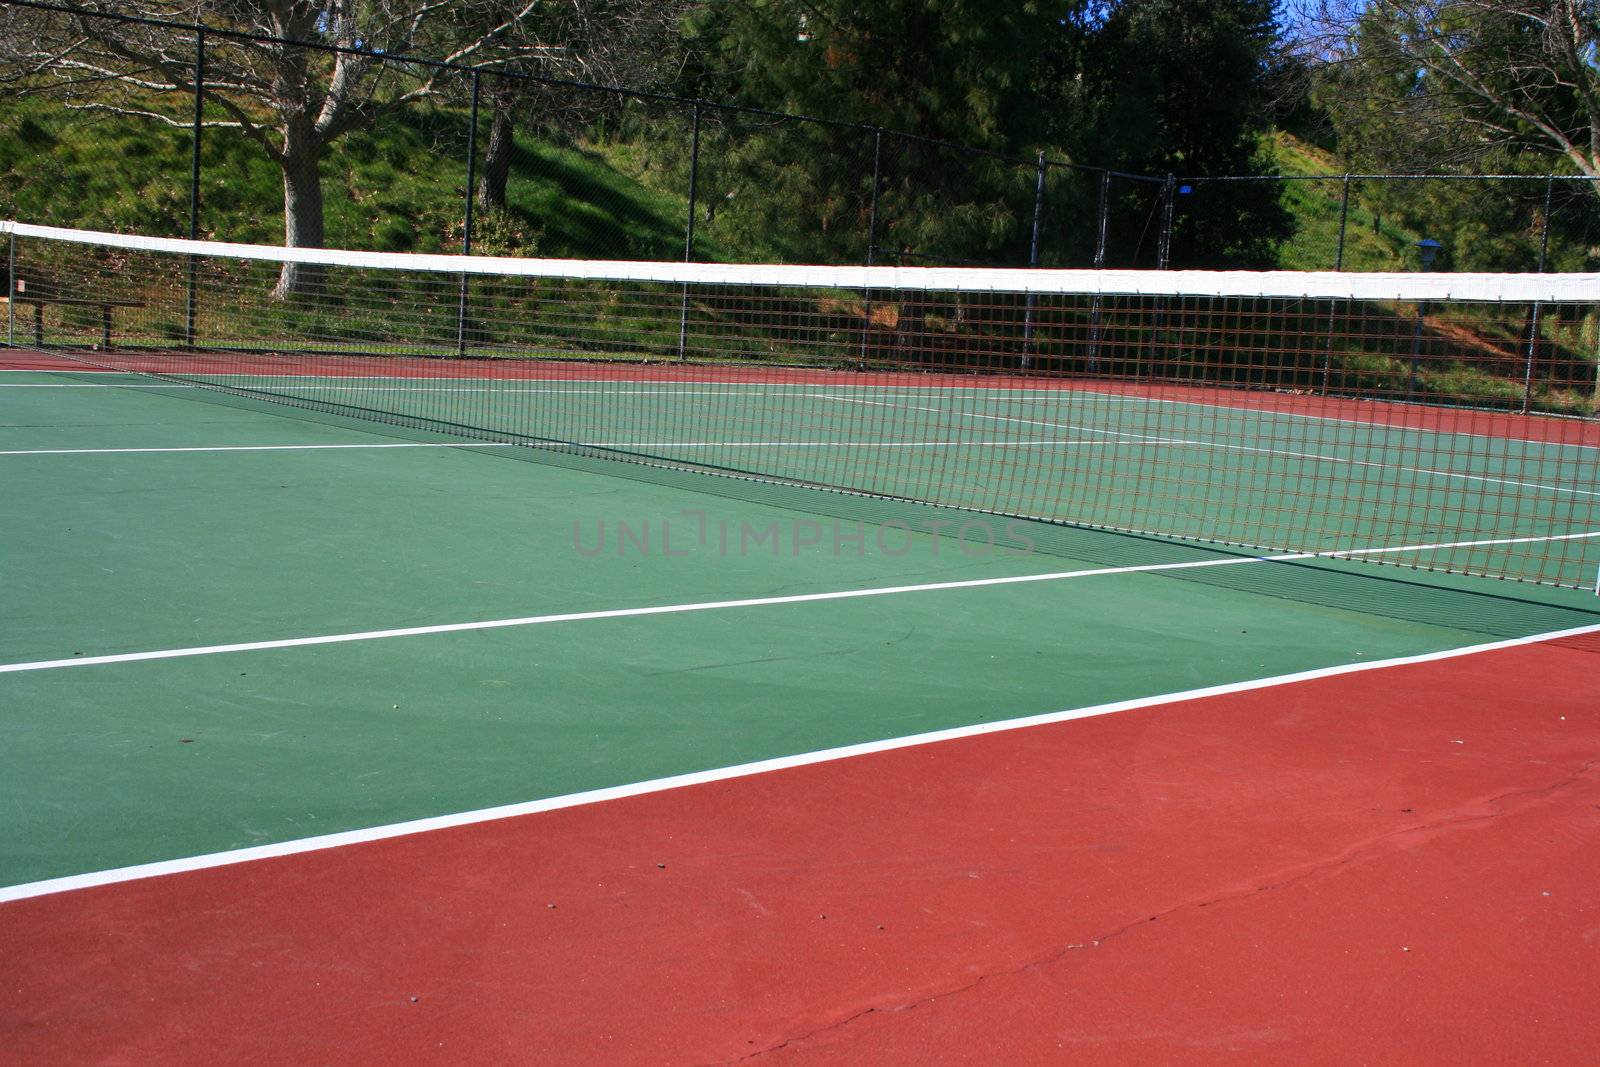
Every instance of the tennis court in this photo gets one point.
(704, 709)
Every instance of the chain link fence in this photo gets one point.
(1532, 357)
(458, 158)
(454, 158)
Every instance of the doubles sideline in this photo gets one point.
(751, 602)
(348, 838)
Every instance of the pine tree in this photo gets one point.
(1175, 87)
(955, 70)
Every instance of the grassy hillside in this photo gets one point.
(397, 188)
(1371, 243)
(1487, 350)
(401, 188)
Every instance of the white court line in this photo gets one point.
(253, 448)
(962, 394)
(852, 445)
(431, 386)
(623, 613)
(1587, 535)
(908, 389)
(1349, 461)
(162, 868)
(754, 602)
(1132, 438)
(1122, 398)
(991, 418)
(803, 388)
(1149, 439)
(932, 390)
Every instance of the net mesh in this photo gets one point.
(1439, 422)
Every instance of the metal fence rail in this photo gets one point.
(875, 181)
(601, 172)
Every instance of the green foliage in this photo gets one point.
(1373, 239)
(1112, 83)
(953, 68)
(397, 187)
(578, 201)
(133, 174)
(1393, 111)
(957, 70)
(1175, 87)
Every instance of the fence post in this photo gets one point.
(1344, 222)
(872, 240)
(466, 212)
(1038, 210)
(694, 186)
(1594, 412)
(1158, 345)
(11, 292)
(1537, 309)
(1338, 265)
(472, 165)
(1033, 260)
(1594, 396)
(1168, 203)
(877, 180)
(688, 231)
(1103, 227)
(1416, 349)
(191, 304)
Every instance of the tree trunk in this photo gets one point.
(303, 222)
(497, 160)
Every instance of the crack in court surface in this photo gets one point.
(1463, 817)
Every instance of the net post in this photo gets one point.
(466, 212)
(1033, 260)
(688, 231)
(191, 303)
(1535, 311)
(872, 239)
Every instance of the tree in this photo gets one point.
(293, 101)
(961, 71)
(1464, 80)
(1175, 87)
(632, 43)
(1502, 88)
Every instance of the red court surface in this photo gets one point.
(1375, 412)
(1396, 866)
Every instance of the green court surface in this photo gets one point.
(1273, 474)
(305, 528)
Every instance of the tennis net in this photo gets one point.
(1434, 421)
